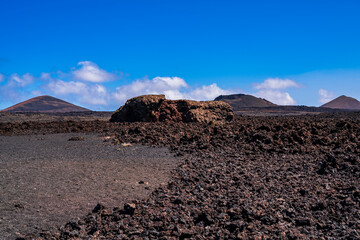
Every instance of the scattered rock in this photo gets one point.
(77, 138)
(99, 207)
(302, 222)
(129, 208)
(18, 205)
(107, 138)
(126, 144)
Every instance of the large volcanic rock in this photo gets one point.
(238, 101)
(343, 102)
(154, 108)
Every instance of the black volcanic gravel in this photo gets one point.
(48, 180)
(255, 178)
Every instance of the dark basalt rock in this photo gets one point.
(156, 108)
(77, 138)
(252, 178)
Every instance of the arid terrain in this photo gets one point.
(47, 180)
(281, 177)
(20, 117)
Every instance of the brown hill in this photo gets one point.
(238, 101)
(343, 102)
(45, 104)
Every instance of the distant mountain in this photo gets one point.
(343, 102)
(45, 104)
(238, 101)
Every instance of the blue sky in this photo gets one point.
(99, 53)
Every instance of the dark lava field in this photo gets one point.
(286, 177)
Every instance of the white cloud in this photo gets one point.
(20, 81)
(94, 94)
(97, 95)
(174, 94)
(60, 87)
(208, 92)
(16, 88)
(172, 87)
(163, 83)
(91, 72)
(276, 96)
(325, 96)
(45, 76)
(83, 86)
(273, 89)
(37, 93)
(276, 83)
(2, 77)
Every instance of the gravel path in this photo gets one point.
(46, 180)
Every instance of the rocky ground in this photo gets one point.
(255, 178)
(46, 180)
(19, 117)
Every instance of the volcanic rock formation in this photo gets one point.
(238, 101)
(343, 102)
(45, 104)
(156, 108)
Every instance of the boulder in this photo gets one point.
(156, 108)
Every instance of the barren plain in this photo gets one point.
(282, 177)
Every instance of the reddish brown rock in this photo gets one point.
(156, 108)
